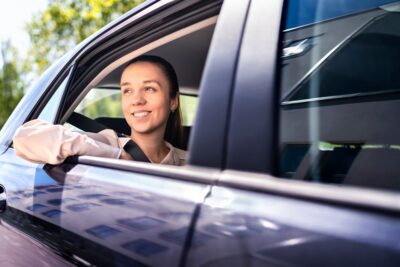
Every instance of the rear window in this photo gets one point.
(365, 62)
(340, 97)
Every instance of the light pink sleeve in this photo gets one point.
(42, 142)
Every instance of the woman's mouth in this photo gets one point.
(140, 114)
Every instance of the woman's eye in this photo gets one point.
(126, 91)
(150, 89)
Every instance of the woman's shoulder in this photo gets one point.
(182, 154)
(177, 156)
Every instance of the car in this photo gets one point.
(290, 111)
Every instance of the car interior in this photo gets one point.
(185, 49)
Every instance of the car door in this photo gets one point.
(19, 178)
(107, 212)
(311, 169)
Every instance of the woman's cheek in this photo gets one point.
(125, 110)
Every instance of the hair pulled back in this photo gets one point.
(173, 132)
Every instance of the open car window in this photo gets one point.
(100, 100)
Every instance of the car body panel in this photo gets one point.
(256, 221)
(284, 231)
(108, 212)
(18, 249)
(74, 208)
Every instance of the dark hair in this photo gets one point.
(173, 132)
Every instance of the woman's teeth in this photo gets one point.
(140, 114)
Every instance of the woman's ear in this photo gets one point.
(174, 103)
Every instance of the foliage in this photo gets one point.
(65, 23)
(101, 103)
(53, 32)
(11, 84)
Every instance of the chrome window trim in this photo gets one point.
(358, 197)
(375, 199)
(184, 173)
(338, 97)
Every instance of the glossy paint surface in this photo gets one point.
(100, 216)
(80, 214)
(255, 229)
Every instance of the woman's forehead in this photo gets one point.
(145, 67)
(143, 71)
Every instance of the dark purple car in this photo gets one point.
(290, 111)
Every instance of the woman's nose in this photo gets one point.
(138, 98)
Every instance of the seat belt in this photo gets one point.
(134, 150)
(89, 125)
(85, 123)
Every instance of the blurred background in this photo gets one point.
(35, 33)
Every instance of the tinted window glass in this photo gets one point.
(302, 12)
(50, 110)
(340, 96)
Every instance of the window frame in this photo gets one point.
(255, 92)
(82, 59)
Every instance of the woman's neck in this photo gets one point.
(152, 145)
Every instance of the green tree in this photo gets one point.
(53, 31)
(11, 83)
(65, 23)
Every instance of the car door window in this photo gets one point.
(340, 94)
(49, 112)
(101, 102)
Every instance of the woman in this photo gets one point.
(150, 103)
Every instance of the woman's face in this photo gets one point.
(146, 101)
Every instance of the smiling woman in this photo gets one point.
(150, 103)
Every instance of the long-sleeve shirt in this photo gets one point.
(42, 142)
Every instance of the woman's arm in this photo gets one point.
(42, 142)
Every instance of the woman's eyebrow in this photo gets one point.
(148, 81)
(152, 81)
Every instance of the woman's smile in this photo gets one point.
(141, 114)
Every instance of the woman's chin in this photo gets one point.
(143, 130)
